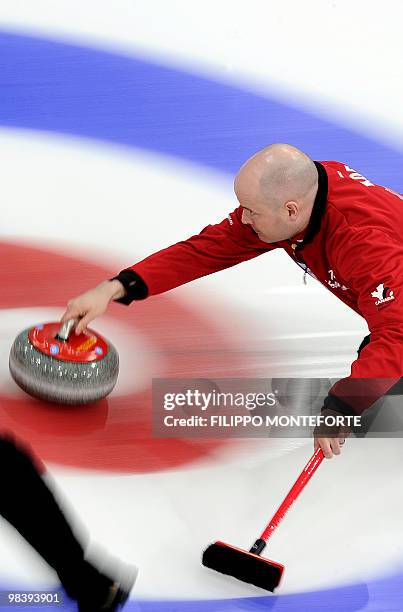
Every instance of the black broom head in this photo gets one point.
(243, 565)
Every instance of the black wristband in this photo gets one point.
(135, 287)
(335, 403)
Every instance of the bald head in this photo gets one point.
(281, 180)
(277, 173)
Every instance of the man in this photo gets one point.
(29, 505)
(334, 223)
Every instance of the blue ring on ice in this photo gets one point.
(382, 595)
(69, 89)
(57, 87)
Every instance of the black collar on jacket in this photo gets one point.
(319, 207)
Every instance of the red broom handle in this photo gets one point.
(295, 490)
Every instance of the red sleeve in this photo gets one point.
(217, 247)
(371, 263)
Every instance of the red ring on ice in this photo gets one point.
(114, 434)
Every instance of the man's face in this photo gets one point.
(272, 221)
(269, 225)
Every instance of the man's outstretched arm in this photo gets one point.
(216, 248)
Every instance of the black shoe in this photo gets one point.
(117, 597)
(118, 594)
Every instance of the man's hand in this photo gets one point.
(93, 303)
(331, 438)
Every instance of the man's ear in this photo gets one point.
(292, 208)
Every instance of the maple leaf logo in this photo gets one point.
(378, 293)
(381, 292)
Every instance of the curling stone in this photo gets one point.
(50, 363)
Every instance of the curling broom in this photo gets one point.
(249, 566)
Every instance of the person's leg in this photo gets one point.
(30, 507)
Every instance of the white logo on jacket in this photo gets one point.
(381, 294)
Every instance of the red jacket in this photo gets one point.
(353, 245)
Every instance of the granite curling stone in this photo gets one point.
(51, 363)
